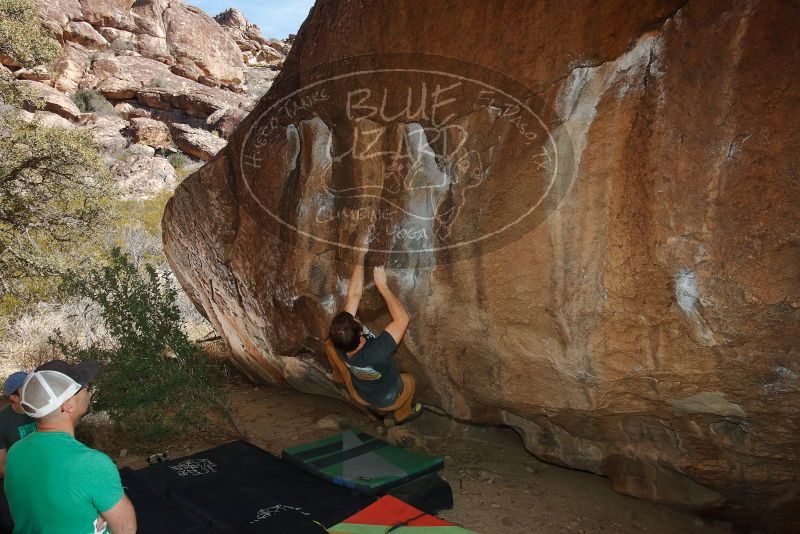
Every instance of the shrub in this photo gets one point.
(24, 39)
(25, 342)
(23, 36)
(53, 201)
(178, 160)
(155, 382)
(92, 101)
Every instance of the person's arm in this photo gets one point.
(121, 518)
(356, 286)
(3, 463)
(400, 318)
(99, 482)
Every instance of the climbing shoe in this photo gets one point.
(416, 411)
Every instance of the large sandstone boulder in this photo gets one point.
(187, 39)
(108, 131)
(110, 13)
(198, 143)
(195, 39)
(71, 67)
(642, 321)
(225, 121)
(255, 47)
(54, 100)
(53, 120)
(141, 176)
(46, 118)
(153, 84)
(150, 132)
(83, 33)
(38, 73)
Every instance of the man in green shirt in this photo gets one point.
(54, 483)
(14, 425)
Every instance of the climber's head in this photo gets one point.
(345, 332)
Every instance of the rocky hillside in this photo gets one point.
(605, 257)
(150, 79)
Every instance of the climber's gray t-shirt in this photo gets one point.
(375, 375)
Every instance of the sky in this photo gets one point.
(276, 18)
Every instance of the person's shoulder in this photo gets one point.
(24, 446)
(384, 342)
(386, 337)
(88, 461)
(91, 455)
(80, 452)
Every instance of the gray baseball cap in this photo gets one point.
(14, 382)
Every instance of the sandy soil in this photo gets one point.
(498, 487)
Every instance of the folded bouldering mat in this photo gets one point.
(357, 460)
(389, 514)
(238, 487)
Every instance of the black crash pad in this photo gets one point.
(238, 487)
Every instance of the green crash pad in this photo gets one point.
(362, 462)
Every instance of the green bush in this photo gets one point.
(23, 36)
(155, 382)
(92, 101)
(178, 160)
(54, 202)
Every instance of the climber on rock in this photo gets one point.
(369, 359)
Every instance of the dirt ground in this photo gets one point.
(498, 487)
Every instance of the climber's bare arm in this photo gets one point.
(356, 286)
(400, 318)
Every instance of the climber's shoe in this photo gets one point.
(416, 411)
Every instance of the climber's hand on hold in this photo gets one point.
(362, 247)
(400, 318)
(379, 275)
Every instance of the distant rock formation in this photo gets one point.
(155, 60)
(254, 46)
(646, 327)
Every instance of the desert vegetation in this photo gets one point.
(82, 272)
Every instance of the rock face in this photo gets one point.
(646, 328)
(193, 44)
(153, 84)
(71, 67)
(254, 46)
(198, 143)
(150, 132)
(82, 33)
(164, 66)
(107, 132)
(175, 78)
(141, 176)
(54, 101)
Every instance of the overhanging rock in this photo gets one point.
(592, 219)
